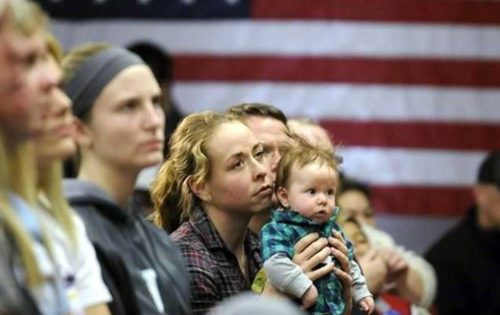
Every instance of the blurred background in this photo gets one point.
(408, 89)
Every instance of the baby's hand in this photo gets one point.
(309, 297)
(367, 304)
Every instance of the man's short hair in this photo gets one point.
(256, 109)
(489, 171)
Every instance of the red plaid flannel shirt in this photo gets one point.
(214, 269)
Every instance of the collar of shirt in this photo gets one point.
(204, 227)
(293, 217)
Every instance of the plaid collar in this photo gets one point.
(295, 218)
(211, 238)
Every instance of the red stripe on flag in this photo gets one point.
(425, 11)
(422, 200)
(425, 135)
(433, 72)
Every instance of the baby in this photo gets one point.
(306, 183)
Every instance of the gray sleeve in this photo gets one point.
(359, 286)
(286, 276)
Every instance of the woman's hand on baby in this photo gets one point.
(310, 251)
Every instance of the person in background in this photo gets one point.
(71, 248)
(306, 183)
(405, 273)
(161, 64)
(385, 303)
(217, 175)
(119, 132)
(311, 131)
(467, 257)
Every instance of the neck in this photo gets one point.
(231, 228)
(118, 182)
(258, 220)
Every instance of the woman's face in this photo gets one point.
(126, 122)
(355, 204)
(357, 237)
(239, 182)
(56, 140)
(26, 85)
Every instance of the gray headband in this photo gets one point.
(91, 78)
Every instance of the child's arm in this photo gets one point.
(359, 286)
(289, 278)
(286, 276)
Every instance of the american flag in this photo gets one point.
(410, 89)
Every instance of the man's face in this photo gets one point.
(272, 133)
(488, 203)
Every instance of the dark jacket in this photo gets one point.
(467, 263)
(130, 251)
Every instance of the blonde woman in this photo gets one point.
(117, 103)
(24, 99)
(75, 255)
(13, 299)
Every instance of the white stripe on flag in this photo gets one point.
(344, 101)
(381, 166)
(296, 38)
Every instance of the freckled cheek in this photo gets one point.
(235, 190)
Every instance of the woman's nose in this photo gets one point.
(154, 116)
(261, 170)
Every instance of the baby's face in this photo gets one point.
(311, 191)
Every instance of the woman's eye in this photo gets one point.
(259, 154)
(130, 105)
(238, 164)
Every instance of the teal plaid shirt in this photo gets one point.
(280, 235)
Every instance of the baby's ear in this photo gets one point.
(282, 194)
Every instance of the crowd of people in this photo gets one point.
(244, 201)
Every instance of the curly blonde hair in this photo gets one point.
(188, 160)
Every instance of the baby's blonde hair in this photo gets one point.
(300, 154)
